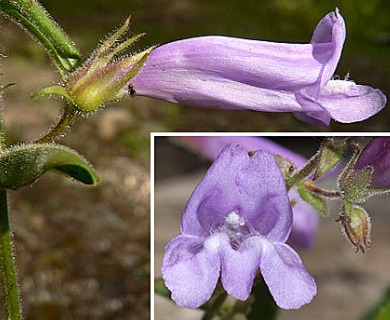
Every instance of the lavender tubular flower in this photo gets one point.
(237, 220)
(232, 73)
(305, 217)
(377, 155)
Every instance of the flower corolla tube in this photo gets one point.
(232, 73)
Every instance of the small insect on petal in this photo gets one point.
(131, 90)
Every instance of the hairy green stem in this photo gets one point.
(35, 19)
(7, 262)
(357, 150)
(320, 191)
(65, 121)
(1, 125)
(302, 173)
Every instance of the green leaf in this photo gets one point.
(384, 312)
(34, 18)
(22, 165)
(381, 310)
(314, 199)
(264, 306)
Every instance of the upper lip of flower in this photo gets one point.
(305, 217)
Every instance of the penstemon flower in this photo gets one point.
(305, 220)
(377, 156)
(232, 73)
(367, 173)
(236, 222)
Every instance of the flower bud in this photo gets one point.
(101, 79)
(356, 226)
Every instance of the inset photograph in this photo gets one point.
(270, 227)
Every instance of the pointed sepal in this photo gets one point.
(53, 91)
(106, 73)
(330, 154)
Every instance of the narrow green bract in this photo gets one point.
(331, 152)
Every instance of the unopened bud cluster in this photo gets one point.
(356, 226)
(101, 79)
(366, 174)
(103, 76)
